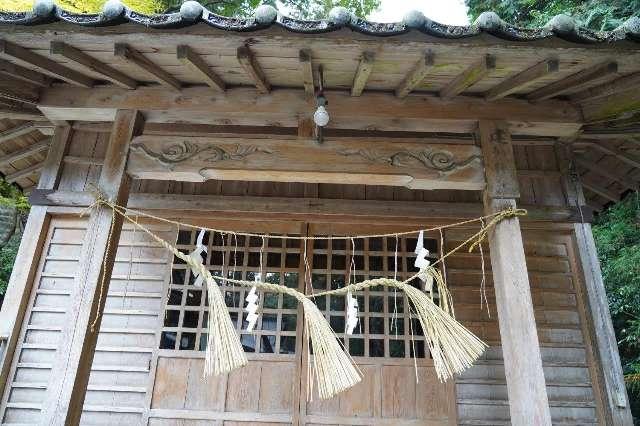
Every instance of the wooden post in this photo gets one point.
(609, 370)
(528, 403)
(19, 289)
(72, 365)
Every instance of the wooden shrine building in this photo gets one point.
(209, 120)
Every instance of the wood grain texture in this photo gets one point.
(73, 362)
(377, 111)
(293, 160)
(80, 57)
(417, 74)
(126, 53)
(499, 163)
(44, 64)
(306, 66)
(365, 66)
(521, 80)
(194, 62)
(250, 64)
(469, 77)
(574, 81)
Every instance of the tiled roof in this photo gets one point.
(191, 12)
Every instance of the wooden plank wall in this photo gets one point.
(44, 321)
(120, 386)
(556, 292)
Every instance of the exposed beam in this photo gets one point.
(199, 67)
(365, 66)
(476, 72)
(603, 171)
(622, 104)
(306, 64)
(18, 91)
(25, 74)
(44, 64)
(416, 75)
(136, 58)
(25, 152)
(523, 79)
(17, 131)
(603, 192)
(618, 85)
(20, 113)
(574, 81)
(248, 61)
(26, 172)
(79, 57)
(289, 207)
(282, 107)
(616, 152)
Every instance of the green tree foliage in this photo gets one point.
(594, 14)
(10, 195)
(617, 235)
(305, 9)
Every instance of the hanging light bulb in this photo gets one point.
(321, 116)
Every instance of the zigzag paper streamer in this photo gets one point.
(196, 255)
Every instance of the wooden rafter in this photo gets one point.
(574, 81)
(248, 62)
(416, 75)
(605, 172)
(136, 58)
(25, 74)
(620, 105)
(14, 132)
(44, 64)
(522, 79)
(476, 72)
(199, 67)
(599, 190)
(618, 85)
(26, 172)
(19, 91)
(306, 64)
(20, 113)
(79, 57)
(25, 152)
(616, 152)
(365, 66)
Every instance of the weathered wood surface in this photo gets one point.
(79, 338)
(600, 320)
(528, 401)
(283, 107)
(197, 159)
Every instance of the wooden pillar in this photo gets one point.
(528, 403)
(72, 365)
(20, 283)
(615, 400)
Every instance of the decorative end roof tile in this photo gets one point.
(192, 12)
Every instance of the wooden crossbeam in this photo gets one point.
(248, 61)
(79, 57)
(199, 67)
(609, 88)
(128, 54)
(24, 74)
(17, 131)
(26, 172)
(44, 64)
(416, 75)
(19, 91)
(306, 63)
(602, 171)
(365, 66)
(283, 107)
(574, 81)
(25, 152)
(523, 79)
(469, 77)
(603, 192)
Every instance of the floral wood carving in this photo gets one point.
(178, 153)
(440, 161)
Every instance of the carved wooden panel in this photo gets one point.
(353, 161)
